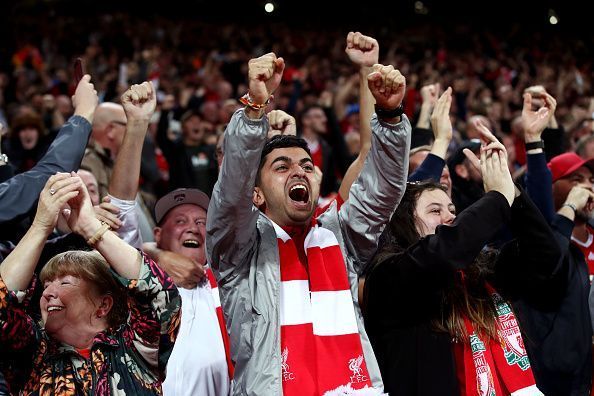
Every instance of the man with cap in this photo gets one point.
(572, 175)
(557, 324)
(199, 362)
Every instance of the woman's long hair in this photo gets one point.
(467, 296)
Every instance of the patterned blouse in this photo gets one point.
(129, 360)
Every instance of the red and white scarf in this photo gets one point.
(219, 310)
(320, 344)
(498, 368)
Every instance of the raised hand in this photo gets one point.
(59, 189)
(107, 212)
(493, 164)
(82, 218)
(362, 50)
(85, 98)
(430, 93)
(265, 74)
(440, 119)
(535, 121)
(387, 86)
(139, 102)
(281, 123)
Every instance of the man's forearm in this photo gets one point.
(126, 172)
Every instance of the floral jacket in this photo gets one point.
(129, 360)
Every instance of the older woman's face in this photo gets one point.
(434, 208)
(68, 304)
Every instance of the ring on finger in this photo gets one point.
(52, 191)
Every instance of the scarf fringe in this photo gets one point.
(346, 390)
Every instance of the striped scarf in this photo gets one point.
(490, 367)
(320, 344)
(219, 310)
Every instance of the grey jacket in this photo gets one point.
(20, 193)
(242, 245)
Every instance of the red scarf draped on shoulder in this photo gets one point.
(320, 343)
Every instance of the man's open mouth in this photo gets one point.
(299, 193)
(191, 243)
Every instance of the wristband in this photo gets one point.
(534, 145)
(98, 236)
(247, 101)
(569, 205)
(382, 113)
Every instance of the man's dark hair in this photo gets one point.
(280, 141)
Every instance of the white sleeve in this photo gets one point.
(129, 231)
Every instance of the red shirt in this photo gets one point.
(588, 249)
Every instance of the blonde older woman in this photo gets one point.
(109, 317)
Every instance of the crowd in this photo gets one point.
(280, 212)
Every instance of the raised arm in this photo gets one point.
(139, 103)
(19, 194)
(380, 186)
(231, 220)
(538, 177)
(432, 166)
(364, 52)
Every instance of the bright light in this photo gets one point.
(553, 18)
(420, 8)
(269, 7)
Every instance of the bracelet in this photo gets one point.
(383, 113)
(247, 101)
(534, 145)
(569, 205)
(98, 236)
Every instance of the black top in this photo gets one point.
(404, 292)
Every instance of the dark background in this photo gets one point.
(24, 20)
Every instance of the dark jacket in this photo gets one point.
(19, 194)
(414, 359)
(181, 172)
(560, 331)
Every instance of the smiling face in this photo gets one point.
(433, 208)
(287, 191)
(183, 231)
(69, 305)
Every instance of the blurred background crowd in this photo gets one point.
(196, 55)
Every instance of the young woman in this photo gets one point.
(436, 309)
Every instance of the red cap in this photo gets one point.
(567, 163)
